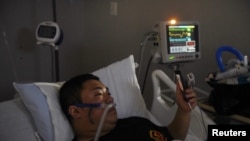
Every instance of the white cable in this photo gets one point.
(200, 121)
(37, 136)
(9, 53)
(143, 44)
(102, 120)
(190, 106)
(197, 117)
(192, 109)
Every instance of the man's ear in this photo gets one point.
(74, 111)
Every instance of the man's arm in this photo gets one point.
(178, 128)
(180, 124)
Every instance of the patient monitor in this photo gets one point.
(179, 41)
(48, 32)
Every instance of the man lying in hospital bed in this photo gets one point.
(82, 99)
(121, 80)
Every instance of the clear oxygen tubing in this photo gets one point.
(99, 129)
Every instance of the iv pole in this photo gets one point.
(56, 48)
(49, 33)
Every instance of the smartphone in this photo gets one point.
(182, 83)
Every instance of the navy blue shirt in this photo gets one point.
(137, 129)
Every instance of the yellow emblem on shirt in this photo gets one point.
(157, 136)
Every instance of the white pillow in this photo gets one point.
(36, 103)
(121, 79)
(41, 97)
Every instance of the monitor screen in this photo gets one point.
(179, 42)
(182, 38)
(47, 31)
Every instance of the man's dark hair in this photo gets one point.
(70, 92)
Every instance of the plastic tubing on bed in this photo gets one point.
(107, 107)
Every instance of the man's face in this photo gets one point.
(95, 92)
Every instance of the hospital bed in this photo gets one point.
(35, 115)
